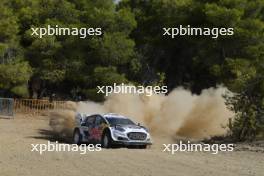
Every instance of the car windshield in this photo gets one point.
(119, 121)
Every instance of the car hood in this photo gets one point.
(127, 127)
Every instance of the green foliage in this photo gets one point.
(93, 95)
(114, 49)
(249, 108)
(222, 16)
(8, 24)
(14, 71)
(108, 76)
(14, 77)
(68, 61)
(199, 62)
(20, 90)
(237, 72)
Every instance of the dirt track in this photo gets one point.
(16, 157)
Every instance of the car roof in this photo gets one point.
(108, 115)
(114, 115)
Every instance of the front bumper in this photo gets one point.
(131, 143)
(122, 138)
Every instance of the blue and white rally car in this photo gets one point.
(108, 130)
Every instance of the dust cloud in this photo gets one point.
(178, 114)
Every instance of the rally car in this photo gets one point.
(108, 130)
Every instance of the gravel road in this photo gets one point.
(16, 158)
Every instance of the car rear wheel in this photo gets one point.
(106, 140)
(76, 137)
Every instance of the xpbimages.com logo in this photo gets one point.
(58, 31)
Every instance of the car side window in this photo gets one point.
(99, 120)
(90, 121)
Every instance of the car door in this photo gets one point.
(100, 124)
(88, 126)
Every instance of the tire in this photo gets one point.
(106, 141)
(76, 138)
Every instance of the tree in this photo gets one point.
(14, 70)
(202, 62)
(64, 64)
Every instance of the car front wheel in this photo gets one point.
(106, 140)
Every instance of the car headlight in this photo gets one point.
(118, 133)
(119, 129)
